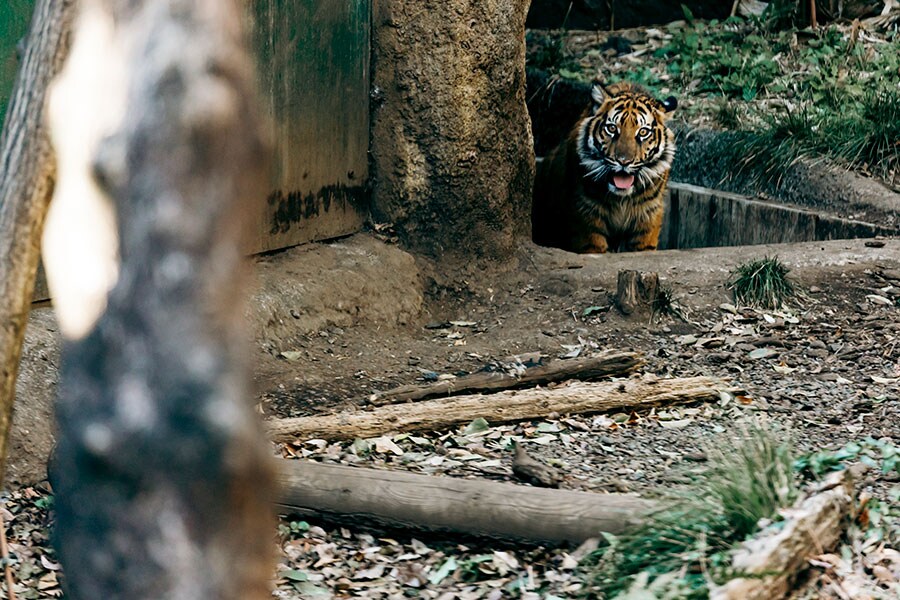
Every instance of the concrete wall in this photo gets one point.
(698, 217)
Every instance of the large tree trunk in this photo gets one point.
(452, 155)
(27, 172)
(162, 478)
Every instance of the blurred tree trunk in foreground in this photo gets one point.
(163, 480)
(27, 173)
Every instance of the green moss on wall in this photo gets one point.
(15, 16)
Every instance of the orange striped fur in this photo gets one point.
(602, 189)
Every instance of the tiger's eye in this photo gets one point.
(611, 129)
(643, 132)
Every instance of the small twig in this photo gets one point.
(812, 14)
(566, 18)
(4, 551)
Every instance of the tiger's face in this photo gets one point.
(624, 141)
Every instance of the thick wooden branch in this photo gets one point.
(771, 561)
(445, 413)
(470, 506)
(611, 363)
(27, 173)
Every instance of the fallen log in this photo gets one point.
(446, 413)
(611, 363)
(448, 504)
(771, 561)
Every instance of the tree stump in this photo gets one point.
(637, 292)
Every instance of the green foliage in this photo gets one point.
(762, 283)
(733, 59)
(292, 529)
(883, 518)
(781, 13)
(14, 18)
(845, 102)
(863, 132)
(750, 479)
(643, 76)
(881, 454)
(546, 50)
(45, 502)
(727, 115)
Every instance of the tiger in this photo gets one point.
(602, 188)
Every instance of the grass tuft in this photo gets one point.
(665, 305)
(686, 545)
(863, 133)
(763, 284)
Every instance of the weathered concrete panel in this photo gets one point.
(698, 217)
(313, 63)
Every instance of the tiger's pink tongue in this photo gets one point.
(623, 181)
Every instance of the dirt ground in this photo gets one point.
(826, 372)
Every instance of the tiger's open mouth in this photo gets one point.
(622, 181)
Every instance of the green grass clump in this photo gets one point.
(666, 305)
(843, 99)
(762, 283)
(686, 545)
(863, 133)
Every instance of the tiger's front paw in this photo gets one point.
(595, 244)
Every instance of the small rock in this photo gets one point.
(762, 353)
(876, 299)
(717, 358)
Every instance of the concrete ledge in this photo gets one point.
(698, 217)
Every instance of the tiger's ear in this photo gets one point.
(669, 104)
(599, 94)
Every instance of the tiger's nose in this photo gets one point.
(623, 160)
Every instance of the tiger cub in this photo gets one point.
(602, 189)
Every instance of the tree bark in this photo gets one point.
(452, 155)
(27, 174)
(607, 364)
(445, 413)
(163, 481)
(476, 507)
